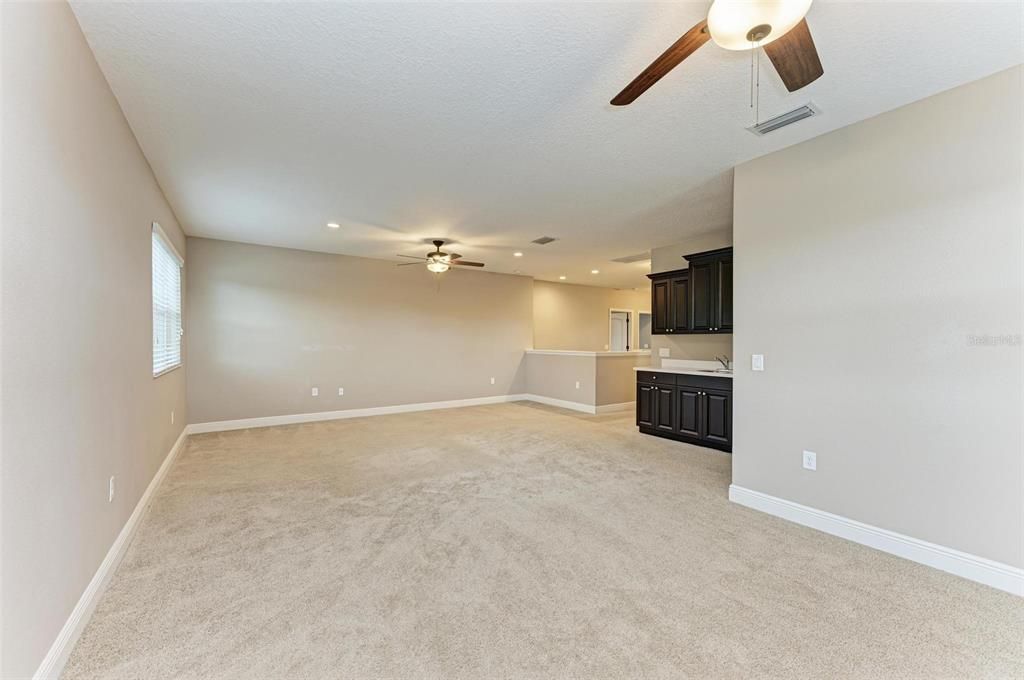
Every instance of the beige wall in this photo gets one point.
(616, 379)
(603, 378)
(879, 270)
(567, 316)
(265, 325)
(695, 346)
(78, 399)
(555, 376)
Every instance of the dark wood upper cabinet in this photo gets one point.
(679, 295)
(723, 300)
(702, 309)
(694, 300)
(661, 312)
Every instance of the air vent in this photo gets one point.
(639, 257)
(543, 240)
(788, 118)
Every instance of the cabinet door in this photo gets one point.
(680, 303)
(661, 320)
(702, 294)
(664, 414)
(717, 416)
(645, 405)
(688, 411)
(723, 299)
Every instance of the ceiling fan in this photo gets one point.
(776, 25)
(439, 262)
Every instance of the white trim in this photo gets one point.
(270, 421)
(972, 567)
(53, 662)
(167, 242)
(561, 403)
(575, 353)
(611, 408)
(296, 418)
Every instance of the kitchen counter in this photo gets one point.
(685, 370)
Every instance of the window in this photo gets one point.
(166, 303)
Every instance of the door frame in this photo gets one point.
(638, 313)
(630, 344)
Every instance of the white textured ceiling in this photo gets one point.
(489, 124)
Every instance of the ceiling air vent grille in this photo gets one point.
(543, 240)
(788, 118)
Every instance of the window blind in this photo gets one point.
(166, 303)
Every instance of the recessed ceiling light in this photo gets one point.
(561, 278)
(517, 254)
(333, 225)
(594, 271)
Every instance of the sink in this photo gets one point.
(715, 370)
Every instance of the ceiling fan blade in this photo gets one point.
(413, 257)
(453, 256)
(669, 59)
(464, 263)
(407, 264)
(795, 57)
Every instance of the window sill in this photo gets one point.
(166, 371)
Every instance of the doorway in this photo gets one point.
(643, 340)
(620, 328)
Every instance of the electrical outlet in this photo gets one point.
(757, 362)
(110, 491)
(664, 352)
(341, 391)
(316, 391)
(810, 460)
(492, 381)
(577, 384)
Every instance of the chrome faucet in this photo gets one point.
(724, 360)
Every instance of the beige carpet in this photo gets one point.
(510, 541)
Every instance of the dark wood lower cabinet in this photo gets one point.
(694, 409)
(688, 408)
(664, 414)
(716, 420)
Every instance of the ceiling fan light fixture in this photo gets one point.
(438, 266)
(734, 24)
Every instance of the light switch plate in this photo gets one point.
(664, 352)
(341, 391)
(757, 362)
(315, 391)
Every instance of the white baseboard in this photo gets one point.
(60, 650)
(561, 403)
(269, 421)
(295, 418)
(972, 567)
(612, 408)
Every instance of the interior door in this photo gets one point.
(659, 307)
(688, 411)
(618, 331)
(717, 417)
